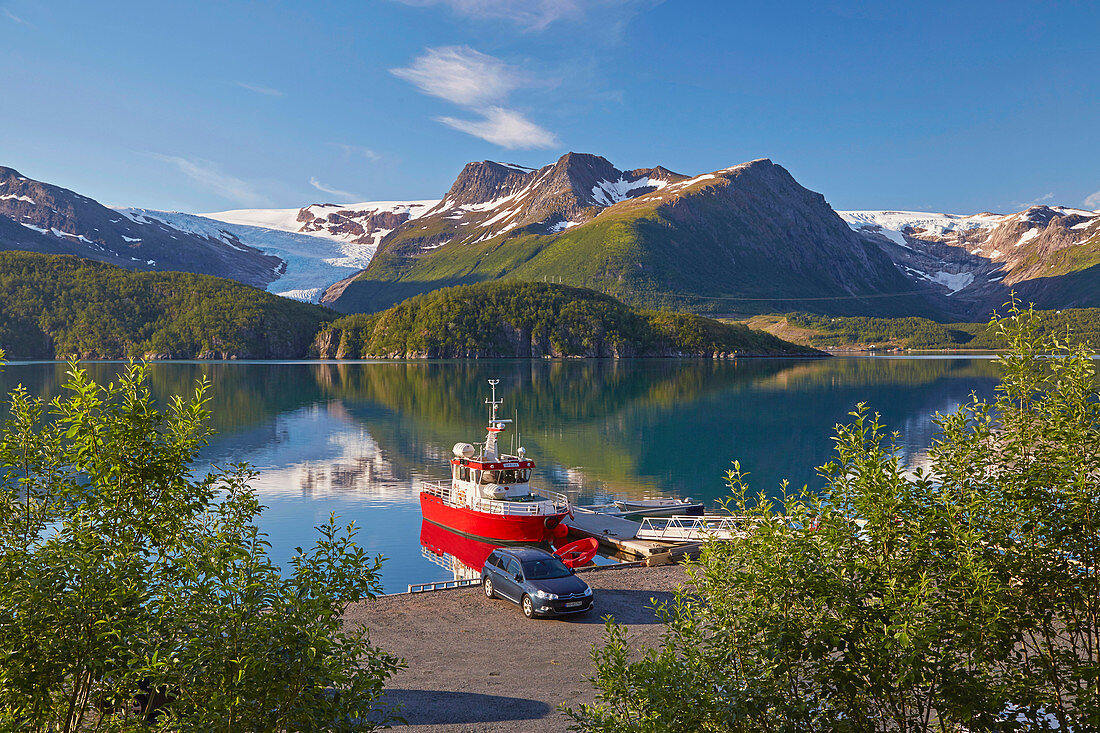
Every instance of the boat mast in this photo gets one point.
(493, 402)
(495, 425)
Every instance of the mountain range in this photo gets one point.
(739, 240)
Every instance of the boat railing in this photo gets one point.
(457, 498)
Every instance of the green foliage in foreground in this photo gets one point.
(56, 306)
(510, 319)
(964, 596)
(127, 584)
(1080, 324)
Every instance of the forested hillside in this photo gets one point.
(921, 333)
(509, 319)
(54, 306)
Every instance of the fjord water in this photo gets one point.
(357, 438)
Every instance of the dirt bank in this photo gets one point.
(478, 665)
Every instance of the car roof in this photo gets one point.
(525, 553)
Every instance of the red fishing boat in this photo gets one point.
(489, 493)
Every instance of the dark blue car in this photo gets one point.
(535, 579)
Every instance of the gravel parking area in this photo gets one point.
(478, 665)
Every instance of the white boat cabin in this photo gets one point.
(491, 477)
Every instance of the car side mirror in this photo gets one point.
(518, 577)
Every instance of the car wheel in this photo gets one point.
(488, 585)
(528, 607)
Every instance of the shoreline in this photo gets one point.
(426, 360)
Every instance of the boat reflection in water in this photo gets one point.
(458, 554)
(463, 556)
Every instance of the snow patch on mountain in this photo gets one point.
(608, 193)
(285, 220)
(1068, 210)
(11, 196)
(692, 181)
(1027, 236)
(133, 215)
(953, 281)
(494, 204)
(515, 166)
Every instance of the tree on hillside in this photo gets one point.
(134, 593)
(961, 596)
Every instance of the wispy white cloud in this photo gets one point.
(532, 14)
(328, 189)
(504, 127)
(1093, 200)
(268, 91)
(359, 151)
(14, 17)
(606, 17)
(1020, 205)
(461, 75)
(482, 84)
(209, 177)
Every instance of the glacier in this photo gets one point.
(313, 261)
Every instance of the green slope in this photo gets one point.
(54, 306)
(513, 319)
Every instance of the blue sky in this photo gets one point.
(945, 106)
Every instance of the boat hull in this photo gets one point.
(508, 528)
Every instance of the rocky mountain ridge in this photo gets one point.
(41, 217)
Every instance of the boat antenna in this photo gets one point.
(493, 402)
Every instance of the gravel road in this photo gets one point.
(478, 665)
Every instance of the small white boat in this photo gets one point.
(658, 507)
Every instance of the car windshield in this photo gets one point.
(550, 567)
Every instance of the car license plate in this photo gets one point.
(572, 604)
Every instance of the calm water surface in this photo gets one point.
(357, 438)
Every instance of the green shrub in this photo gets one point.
(962, 596)
(128, 583)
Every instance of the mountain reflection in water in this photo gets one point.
(357, 438)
